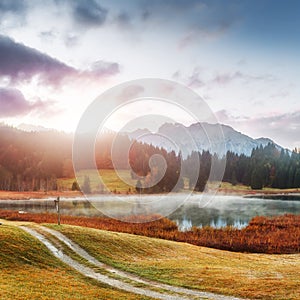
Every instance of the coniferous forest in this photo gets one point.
(33, 161)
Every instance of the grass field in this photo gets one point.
(29, 271)
(272, 235)
(227, 187)
(258, 276)
(115, 184)
(110, 178)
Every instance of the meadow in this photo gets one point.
(110, 178)
(256, 276)
(29, 271)
(115, 184)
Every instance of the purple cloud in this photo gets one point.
(13, 103)
(20, 63)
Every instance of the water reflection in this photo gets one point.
(221, 211)
(233, 211)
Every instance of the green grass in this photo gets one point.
(240, 188)
(258, 276)
(115, 184)
(29, 271)
(111, 179)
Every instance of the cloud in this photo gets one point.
(13, 103)
(12, 13)
(200, 78)
(89, 13)
(194, 80)
(71, 39)
(282, 128)
(48, 35)
(15, 6)
(20, 63)
(104, 68)
(123, 19)
(152, 8)
(194, 19)
(203, 33)
(226, 78)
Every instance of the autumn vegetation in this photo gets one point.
(279, 234)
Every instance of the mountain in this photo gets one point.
(200, 136)
(32, 128)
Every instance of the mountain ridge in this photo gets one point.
(205, 136)
(195, 137)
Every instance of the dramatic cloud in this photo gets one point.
(89, 13)
(13, 103)
(21, 63)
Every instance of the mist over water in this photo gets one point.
(233, 211)
(219, 212)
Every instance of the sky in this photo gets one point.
(241, 57)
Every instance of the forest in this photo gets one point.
(32, 161)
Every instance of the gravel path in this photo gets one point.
(115, 282)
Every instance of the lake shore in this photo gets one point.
(234, 191)
(12, 195)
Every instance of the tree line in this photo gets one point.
(32, 161)
(266, 167)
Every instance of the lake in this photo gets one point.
(220, 211)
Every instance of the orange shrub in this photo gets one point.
(279, 234)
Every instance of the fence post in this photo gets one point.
(57, 209)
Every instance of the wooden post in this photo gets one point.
(57, 209)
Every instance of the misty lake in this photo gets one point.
(221, 211)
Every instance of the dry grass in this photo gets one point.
(29, 271)
(240, 189)
(258, 276)
(9, 195)
(279, 234)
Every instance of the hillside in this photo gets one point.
(28, 270)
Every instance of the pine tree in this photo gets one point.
(256, 180)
